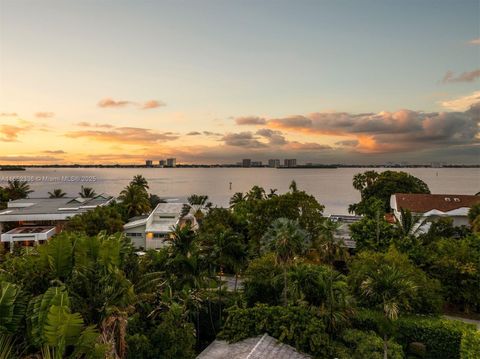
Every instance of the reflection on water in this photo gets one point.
(332, 187)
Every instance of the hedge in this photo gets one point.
(444, 339)
(470, 347)
(296, 326)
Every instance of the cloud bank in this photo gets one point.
(147, 105)
(403, 130)
(124, 135)
(462, 103)
(468, 76)
(250, 120)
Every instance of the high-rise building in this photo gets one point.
(247, 162)
(274, 163)
(290, 162)
(161, 163)
(149, 163)
(171, 162)
(256, 163)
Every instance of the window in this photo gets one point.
(165, 216)
(158, 235)
(134, 234)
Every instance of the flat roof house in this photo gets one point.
(431, 206)
(37, 219)
(150, 232)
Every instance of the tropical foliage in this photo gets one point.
(270, 263)
(57, 193)
(87, 192)
(17, 189)
(381, 186)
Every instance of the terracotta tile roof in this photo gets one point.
(421, 203)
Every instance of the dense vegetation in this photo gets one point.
(87, 293)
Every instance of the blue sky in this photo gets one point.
(211, 62)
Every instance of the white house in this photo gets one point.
(431, 206)
(37, 219)
(150, 232)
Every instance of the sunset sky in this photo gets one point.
(116, 81)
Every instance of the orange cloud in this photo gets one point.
(462, 103)
(468, 76)
(44, 114)
(29, 159)
(125, 135)
(308, 146)
(153, 104)
(475, 41)
(10, 133)
(108, 102)
(250, 120)
(402, 130)
(367, 144)
(98, 125)
(111, 103)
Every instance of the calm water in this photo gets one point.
(332, 187)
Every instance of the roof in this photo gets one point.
(421, 203)
(261, 347)
(162, 227)
(30, 230)
(168, 208)
(344, 218)
(153, 222)
(20, 234)
(56, 208)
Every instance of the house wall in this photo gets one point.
(138, 240)
(460, 221)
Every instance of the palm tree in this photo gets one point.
(140, 181)
(326, 290)
(361, 181)
(409, 224)
(327, 247)
(236, 199)
(286, 239)
(184, 262)
(256, 193)
(102, 292)
(17, 189)
(273, 193)
(135, 199)
(196, 205)
(409, 227)
(228, 250)
(57, 193)
(87, 192)
(388, 287)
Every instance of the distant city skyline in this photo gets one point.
(354, 82)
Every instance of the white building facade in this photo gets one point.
(432, 206)
(152, 231)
